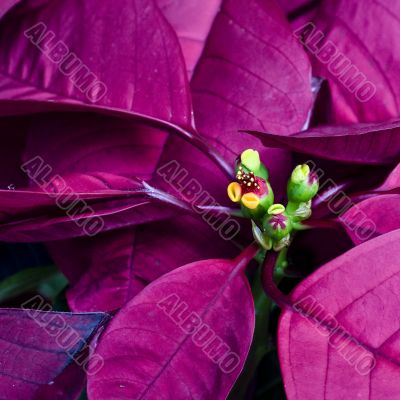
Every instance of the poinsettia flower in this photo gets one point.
(111, 122)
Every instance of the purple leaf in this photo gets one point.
(392, 182)
(89, 145)
(377, 143)
(338, 338)
(192, 316)
(32, 81)
(252, 74)
(50, 56)
(358, 57)
(110, 269)
(192, 22)
(290, 6)
(38, 346)
(6, 5)
(221, 111)
(163, 246)
(67, 386)
(372, 217)
(101, 269)
(92, 203)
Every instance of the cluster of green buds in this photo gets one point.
(273, 224)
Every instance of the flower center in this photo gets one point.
(251, 183)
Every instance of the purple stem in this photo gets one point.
(244, 258)
(269, 285)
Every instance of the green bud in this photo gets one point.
(300, 173)
(276, 223)
(250, 159)
(303, 185)
(250, 162)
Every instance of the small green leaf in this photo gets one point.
(83, 395)
(47, 281)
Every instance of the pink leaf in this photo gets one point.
(150, 345)
(339, 338)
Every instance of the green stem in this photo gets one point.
(259, 345)
(264, 390)
(292, 207)
(280, 265)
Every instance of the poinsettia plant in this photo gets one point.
(219, 183)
